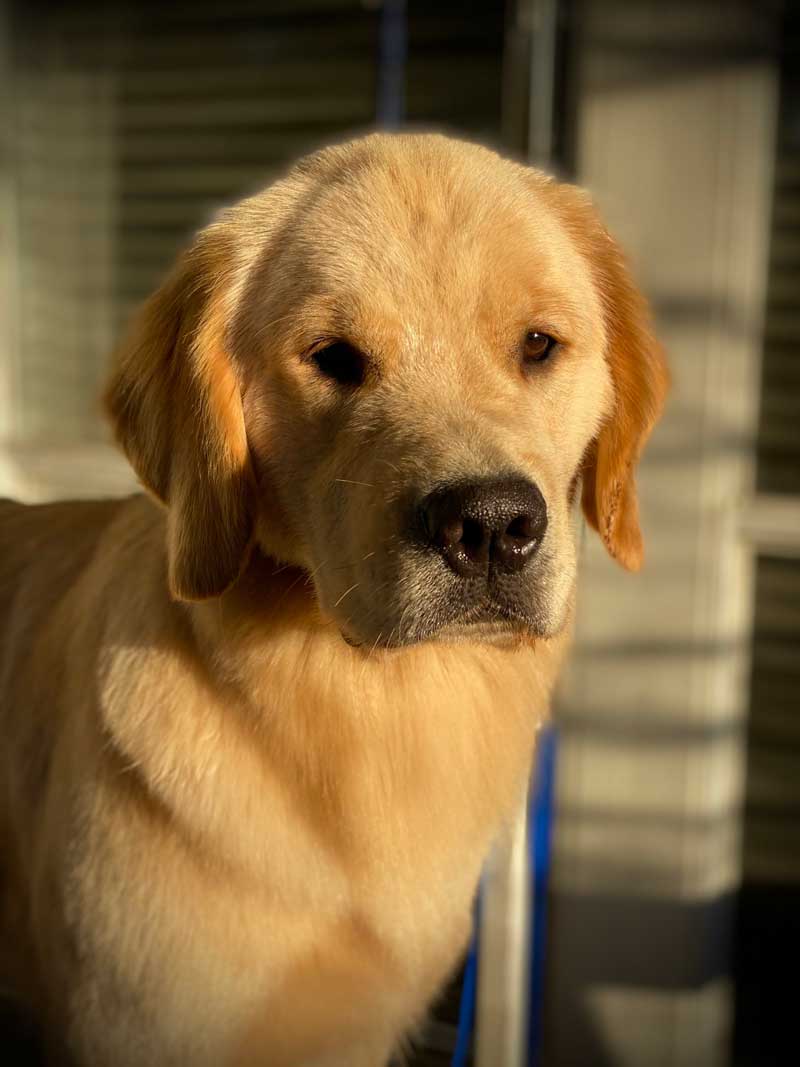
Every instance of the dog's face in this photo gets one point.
(391, 369)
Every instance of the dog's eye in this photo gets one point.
(341, 362)
(537, 347)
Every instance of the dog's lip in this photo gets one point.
(497, 626)
(351, 641)
(501, 633)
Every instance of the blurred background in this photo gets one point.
(673, 925)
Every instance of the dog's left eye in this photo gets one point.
(537, 347)
(341, 362)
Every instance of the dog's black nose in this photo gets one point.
(478, 525)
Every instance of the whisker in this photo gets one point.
(301, 577)
(369, 657)
(281, 569)
(313, 573)
(345, 593)
(291, 586)
(268, 326)
(388, 464)
(352, 481)
(392, 632)
(365, 660)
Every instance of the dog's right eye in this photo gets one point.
(342, 363)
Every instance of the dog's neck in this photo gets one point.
(324, 703)
(371, 746)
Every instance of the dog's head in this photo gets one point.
(393, 369)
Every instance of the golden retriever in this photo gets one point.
(261, 725)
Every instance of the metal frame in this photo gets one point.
(504, 958)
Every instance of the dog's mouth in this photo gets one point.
(489, 623)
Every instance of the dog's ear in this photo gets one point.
(639, 375)
(175, 404)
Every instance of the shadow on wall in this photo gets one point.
(612, 946)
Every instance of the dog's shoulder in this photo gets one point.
(54, 536)
(45, 548)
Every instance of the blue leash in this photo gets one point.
(466, 1007)
(391, 96)
(540, 836)
(540, 828)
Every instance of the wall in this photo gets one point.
(676, 112)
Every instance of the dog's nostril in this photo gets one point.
(521, 528)
(450, 533)
(465, 537)
(473, 535)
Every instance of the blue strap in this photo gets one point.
(466, 1008)
(540, 833)
(540, 829)
(390, 104)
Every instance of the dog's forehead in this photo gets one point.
(407, 217)
(409, 234)
(396, 237)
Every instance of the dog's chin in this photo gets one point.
(504, 629)
(500, 632)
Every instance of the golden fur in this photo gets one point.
(228, 835)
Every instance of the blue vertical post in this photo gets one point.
(469, 985)
(540, 832)
(540, 829)
(391, 94)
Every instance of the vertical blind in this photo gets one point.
(773, 790)
(768, 929)
(130, 123)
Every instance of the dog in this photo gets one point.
(261, 724)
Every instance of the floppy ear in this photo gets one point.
(640, 379)
(175, 404)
